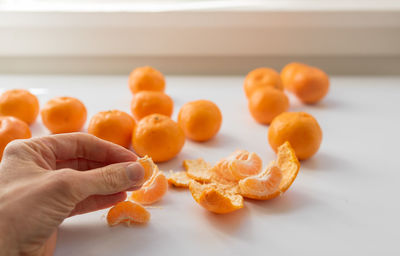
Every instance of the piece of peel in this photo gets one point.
(179, 179)
(214, 198)
(198, 169)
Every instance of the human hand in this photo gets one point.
(45, 180)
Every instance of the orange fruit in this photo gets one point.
(149, 167)
(288, 72)
(263, 185)
(276, 179)
(152, 190)
(114, 126)
(128, 213)
(215, 198)
(145, 103)
(146, 79)
(309, 84)
(300, 129)
(265, 104)
(179, 179)
(11, 129)
(158, 137)
(200, 119)
(19, 103)
(261, 78)
(64, 114)
(238, 165)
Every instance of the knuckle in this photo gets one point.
(14, 147)
(63, 180)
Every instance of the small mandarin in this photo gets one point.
(64, 114)
(114, 125)
(145, 103)
(12, 128)
(128, 213)
(300, 129)
(146, 79)
(309, 84)
(19, 103)
(159, 137)
(200, 120)
(265, 104)
(261, 78)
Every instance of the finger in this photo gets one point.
(50, 245)
(111, 179)
(98, 202)
(81, 145)
(79, 164)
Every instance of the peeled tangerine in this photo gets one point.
(221, 188)
(276, 179)
(154, 188)
(240, 164)
(127, 212)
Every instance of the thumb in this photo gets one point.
(113, 178)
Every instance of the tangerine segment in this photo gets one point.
(149, 167)
(179, 179)
(127, 212)
(288, 164)
(261, 186)
(152, 190)
(214, 198)
(239, 165)
(198, 170)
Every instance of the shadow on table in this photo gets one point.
(230, 223)
(326, 162)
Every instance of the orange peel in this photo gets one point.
(179, 179)
(128, 213)
(214, 198)
(198, 169)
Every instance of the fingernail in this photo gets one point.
(135, 172)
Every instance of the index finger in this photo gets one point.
(84, 146)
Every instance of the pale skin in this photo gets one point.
(46, 180)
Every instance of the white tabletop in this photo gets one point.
(345, 200)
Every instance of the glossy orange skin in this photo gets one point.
(11, 129)
(309, 84)
(265, 104)
(64, 114)
(200, 120)
(159, 137)
(288, 72)
(261, 78)
(146, 79)
(114, 125)
(19, 103)
(300, 129)
(145, 103)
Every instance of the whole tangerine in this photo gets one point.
(19, 103)
(114, 125)
(261, 78)
(200, 119)
(146, 79)
(145, 103)
(300, 129)
(309, 84)
(265, 104)
(64, 114)
(12, 128)
(159, 137)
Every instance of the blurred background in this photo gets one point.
(197, 36)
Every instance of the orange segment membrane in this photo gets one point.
(127, 213)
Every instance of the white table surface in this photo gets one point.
(345, 200)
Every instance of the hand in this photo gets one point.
(45, 180)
